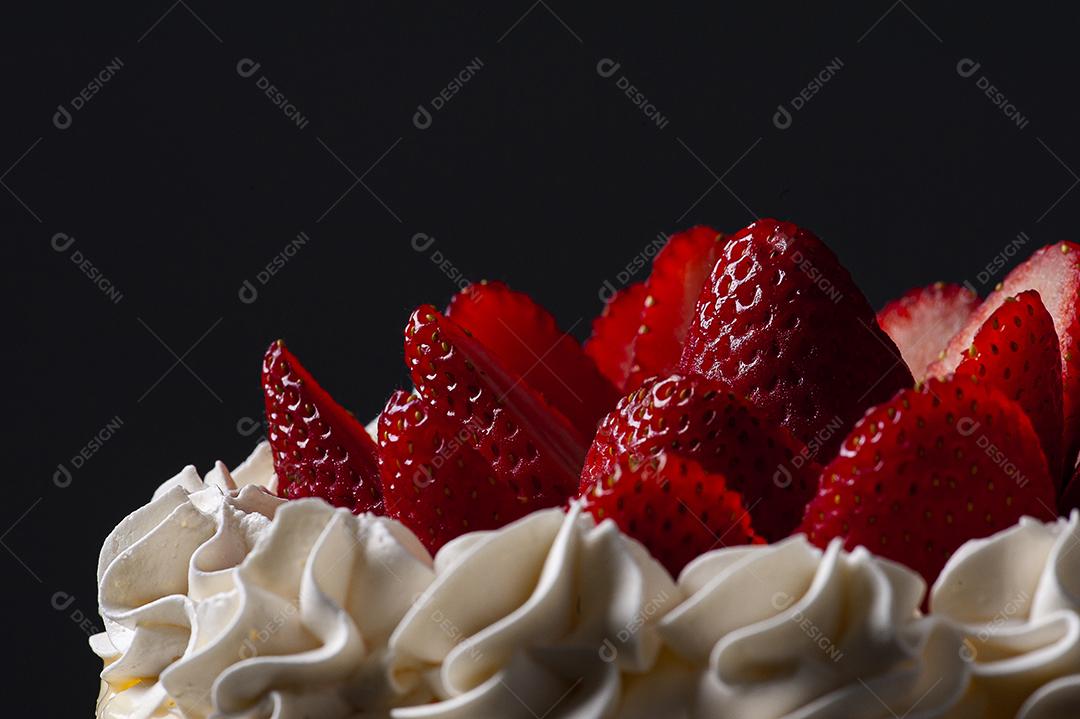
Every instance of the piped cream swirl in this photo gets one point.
(226, 601)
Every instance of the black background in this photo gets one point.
(180, 180)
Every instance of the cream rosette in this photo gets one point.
(224, 600)
(787, 630)
(540, 618)
(1016, 597)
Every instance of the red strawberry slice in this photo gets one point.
(674, 507)
(781, 323)
(523, 337)
(930, 469)
(923, 320)
(1016, 352)
(697, 418)
(1054, 272)
(530, 446)
(320, 449)
(611, 344)
(679, 271)
(433, 481)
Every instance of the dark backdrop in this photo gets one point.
(147, 176)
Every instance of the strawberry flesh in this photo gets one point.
(697, 418)
(611, 344)
(782, 323)
(923, 320)
(1054, 272)
(319, 448)
(672, 506)
(530, 446)
(1016, 352)
(433, 481)
(523, 337)
(928, 470)
(679, 271)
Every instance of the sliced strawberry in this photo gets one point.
(1016, 352)
(698, 418)
(923, 320)
(672, 506)
(930, 469)
(679, 271)
(1054, 272)
(433, 481)
(611, 344)
(320, 449)
(781, 323)
(530, 446)
(523, 337)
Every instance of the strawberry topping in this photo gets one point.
(523, 337)
(672, 506)
(697, 418)
(781, 323)
(611, 344)
(923, 320)
(928, 470)
(320, 449)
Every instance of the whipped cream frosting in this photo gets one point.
(788, 630)
(220, 599)
(539, 618)
(223, 600)
(1016, 598)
